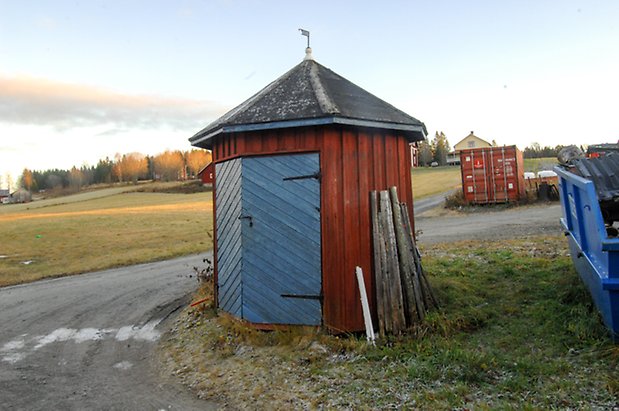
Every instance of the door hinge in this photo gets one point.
(316, 175)
(303, 296)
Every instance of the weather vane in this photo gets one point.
(306, 34)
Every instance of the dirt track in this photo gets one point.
(488, 225)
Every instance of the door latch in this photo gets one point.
(247, 217)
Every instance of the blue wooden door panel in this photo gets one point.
(303, 192)
(270, 217)
(281, 242)
(229, 236)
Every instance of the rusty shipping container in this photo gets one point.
(492, 175)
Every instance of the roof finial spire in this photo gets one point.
(308, 50)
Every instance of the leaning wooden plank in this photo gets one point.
(386, 289)
(395, 287)
(428, 293)
(415, 253)
(379, 279)
(413, 310)
(386, 292)
(365, 305)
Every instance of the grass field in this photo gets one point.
(539, 164)
(100, 229)
(428, 181)
(516, 330)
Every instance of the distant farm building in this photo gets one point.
(294, 167)
(20, 195)
(207, 173)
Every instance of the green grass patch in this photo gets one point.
(539, 164)
(428, 181)
(516, 330)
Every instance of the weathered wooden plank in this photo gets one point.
(393, 268)
(365, 305)
(413, 308)
(426, 290)
(385, 275)
(379, 280)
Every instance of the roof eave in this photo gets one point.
(414, 132)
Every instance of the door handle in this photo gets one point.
(247, 217)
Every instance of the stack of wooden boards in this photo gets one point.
(403, 294)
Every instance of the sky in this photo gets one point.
(82, 80)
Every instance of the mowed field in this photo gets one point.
(102, 229)
(428, 181)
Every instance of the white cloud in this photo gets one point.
(63, 106)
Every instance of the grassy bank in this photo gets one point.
(100, 230)
(428, 181)
(516, 330)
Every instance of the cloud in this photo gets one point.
(63, 106)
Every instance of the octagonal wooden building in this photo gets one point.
(294, 167)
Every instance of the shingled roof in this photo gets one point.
(311, 94)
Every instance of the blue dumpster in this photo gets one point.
(595, 255)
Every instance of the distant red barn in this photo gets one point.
(206, 174)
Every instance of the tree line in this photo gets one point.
(167, 166)
(535, 150)
(435, 150)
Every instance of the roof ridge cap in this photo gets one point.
(327, 105)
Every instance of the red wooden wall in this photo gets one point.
(353, 161)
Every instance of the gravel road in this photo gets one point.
(490, 225)
(88, 341)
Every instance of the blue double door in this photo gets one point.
(268, 238)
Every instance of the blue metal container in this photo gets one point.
(595, 256)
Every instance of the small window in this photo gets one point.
(471, 144)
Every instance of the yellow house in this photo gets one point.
(470, 141)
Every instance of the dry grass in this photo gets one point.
(428, 181)
(100, 230)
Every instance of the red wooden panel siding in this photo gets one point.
(364, 153)
(353, 162)
(332, 230)
(350, 199)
